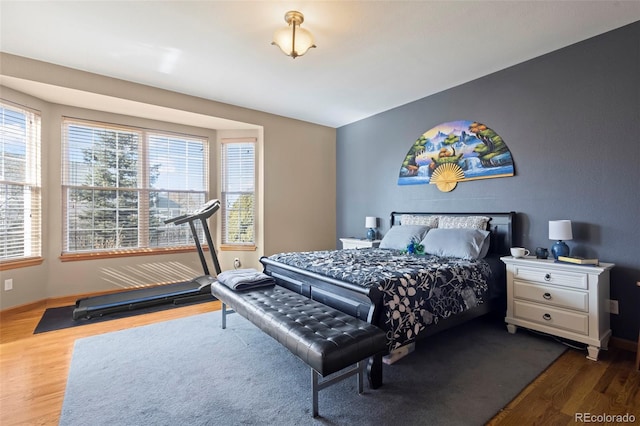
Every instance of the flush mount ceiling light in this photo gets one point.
(293, 40)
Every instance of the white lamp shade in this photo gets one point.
(283, 38)
(371, 222)
(560, 230)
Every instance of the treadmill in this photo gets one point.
(184, 292)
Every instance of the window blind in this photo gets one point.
(121, 183)
(238, 191)
(20, 183)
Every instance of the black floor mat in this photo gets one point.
(59, 318)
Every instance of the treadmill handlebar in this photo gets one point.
(173, 219)
(204, 212)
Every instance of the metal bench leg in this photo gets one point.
(318, 382)
(314, 391)
(224, 315)
(225, 312)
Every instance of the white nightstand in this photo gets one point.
(569, 301)
(351, 243)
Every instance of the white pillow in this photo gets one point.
(415, 219)
(471, 222)
(463, 243)
(399, 236)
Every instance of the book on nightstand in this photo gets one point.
(578, 260)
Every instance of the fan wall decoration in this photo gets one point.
(455, 152)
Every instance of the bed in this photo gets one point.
(409, 296)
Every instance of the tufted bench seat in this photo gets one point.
(326, 339)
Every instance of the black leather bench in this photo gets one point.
(328, 340)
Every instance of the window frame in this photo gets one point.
(32, 184)
(143, 187)
(225, 245)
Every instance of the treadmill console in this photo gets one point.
(209, 205)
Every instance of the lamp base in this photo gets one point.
(560, 248)
(371, 234)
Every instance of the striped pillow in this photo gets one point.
(423, 220)
(469, 222)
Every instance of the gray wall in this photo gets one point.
(571, 119)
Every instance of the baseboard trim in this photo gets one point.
(14, 310)
(627, 345)
(53, 302)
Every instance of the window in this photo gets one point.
(238, 193)
(20, 191)
(121, 183)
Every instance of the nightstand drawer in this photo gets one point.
(552, 317)
(551, 276)
(550, 295)
(356, 243)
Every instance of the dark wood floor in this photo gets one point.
(34, 369)
(574, 386)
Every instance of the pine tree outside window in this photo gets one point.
(121, 183)
(238, 193)
(20, 186)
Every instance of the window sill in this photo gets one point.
(72, 257)
(5, 265)
(238, 247)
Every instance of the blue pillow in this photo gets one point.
(399, 237)
(464, 243)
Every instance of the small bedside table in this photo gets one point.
(569, 301)
(351, 243)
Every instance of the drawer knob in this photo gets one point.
(547, 296)
(546, 317)
(547, 277)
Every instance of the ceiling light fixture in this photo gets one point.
(293, 40)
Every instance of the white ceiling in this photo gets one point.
(371, 55)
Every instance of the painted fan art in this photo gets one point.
(454, 152)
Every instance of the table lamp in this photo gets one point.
(560, 230)
(371, 222)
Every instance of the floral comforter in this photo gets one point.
(416, 290)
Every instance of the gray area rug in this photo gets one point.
(191, 372)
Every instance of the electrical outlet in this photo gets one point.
(8, 284)
(613, 307)
(236, 263)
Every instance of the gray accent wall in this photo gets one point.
(571, 119)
